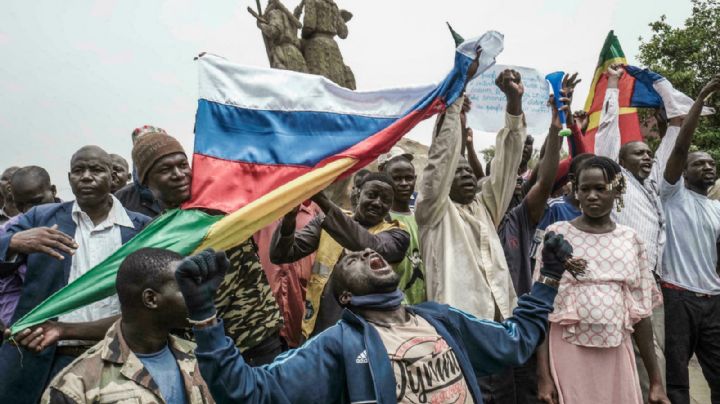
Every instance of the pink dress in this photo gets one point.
(591, 352)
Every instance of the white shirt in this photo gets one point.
(693, 229)
(95, 243)
(464, 260)
(643, 210)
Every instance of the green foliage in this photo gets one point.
(487, 153)
(689, 56)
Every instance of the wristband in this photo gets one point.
(552, 282)
(202, 323)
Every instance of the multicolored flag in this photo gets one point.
(652, 90)
(610, 54)
(265, 141)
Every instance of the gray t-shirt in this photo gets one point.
(693, 229)
(165, 372)
(516, 235)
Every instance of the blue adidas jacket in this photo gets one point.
(348, 363)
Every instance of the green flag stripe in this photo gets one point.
(611, 49)
(177, 230)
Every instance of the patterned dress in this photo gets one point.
(591, 352)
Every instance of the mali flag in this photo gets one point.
(265, 141)
(610, 54)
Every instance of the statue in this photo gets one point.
(279, 28)
(316, 53)
(322, 21)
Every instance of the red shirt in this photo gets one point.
(288, 281)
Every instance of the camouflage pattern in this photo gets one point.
(110, 373)
(244, 300)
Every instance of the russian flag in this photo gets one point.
(266, 140)
(258, 129)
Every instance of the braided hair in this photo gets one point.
(611, 171)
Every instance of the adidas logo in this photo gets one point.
(362, 358)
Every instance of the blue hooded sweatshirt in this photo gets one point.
(348, 363)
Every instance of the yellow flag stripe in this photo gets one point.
(243, 223)
(598, 72)
(594, 120)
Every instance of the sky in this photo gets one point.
(88, 72)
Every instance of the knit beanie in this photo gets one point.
(150, 148)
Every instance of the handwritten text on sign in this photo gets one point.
(488, 102)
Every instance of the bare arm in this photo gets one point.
(50, 332)
(538, 195)
(547, 392)
(472, 157)
(643, 337)
(678, 157)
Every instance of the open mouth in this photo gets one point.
(377, 263)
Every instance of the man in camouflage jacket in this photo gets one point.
(115, 370)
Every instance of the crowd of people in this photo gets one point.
(588, 280)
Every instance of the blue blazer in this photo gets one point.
(25, 374)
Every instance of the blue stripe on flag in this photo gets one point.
(644, 94)
(278, 137)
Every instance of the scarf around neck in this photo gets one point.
(378, 301)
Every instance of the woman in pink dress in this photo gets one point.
(588, 356)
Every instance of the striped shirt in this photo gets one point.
(642, 209)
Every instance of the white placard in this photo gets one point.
(488, 102)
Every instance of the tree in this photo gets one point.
(689, 56)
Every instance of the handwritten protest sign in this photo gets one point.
(488, 102)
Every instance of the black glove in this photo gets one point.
(556, 250)
(199, 276)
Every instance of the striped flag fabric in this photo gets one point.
(629, 122)
(265, 141)
(652, 90)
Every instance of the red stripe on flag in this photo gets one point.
(629, 131)
(626, 87)
(228, 185)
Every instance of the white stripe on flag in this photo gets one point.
(281, 90)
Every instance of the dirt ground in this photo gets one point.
(699, 390)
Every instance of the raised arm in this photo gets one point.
(667, 144)
(472, 156)
(607, 139)
(538, 195)
(228, 377)
(468, 144)
(443, 157)
(679, 154)
(493, 346)
(498, 189)
(391, 244)
(288, 245)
